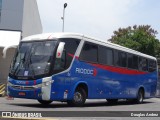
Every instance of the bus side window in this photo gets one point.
(70, 48)
(120, 58)
(152, 65)
(116, 58)
(105, 55)
(143, 64)
(135, 62)
(89, 52)
(123, 59)
(132, 61)
(60, 62)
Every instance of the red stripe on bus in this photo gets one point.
(49, 36)
(34, 82)
(70, 54)
(119, 70)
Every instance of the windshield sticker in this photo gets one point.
(25, 73)
(48, 44)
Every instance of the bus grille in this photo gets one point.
(23, 87)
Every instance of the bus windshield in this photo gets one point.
(33, 59)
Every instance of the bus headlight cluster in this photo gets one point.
(9, 84)
(44, 84)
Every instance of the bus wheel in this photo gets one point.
(140, 97)
(45, 102)
(79, 98)
(112, 101)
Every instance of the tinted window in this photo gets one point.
(152, 65)
(105, 55)
(132, 61)
(68, 53)
(89, 52)
(70, 48)
(116, 58)
(123, 59)
(120, 58)
(143, 64)
(135, 62)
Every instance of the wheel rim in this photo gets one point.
(78, 97)
(140, 97)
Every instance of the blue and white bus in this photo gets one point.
(71, 67)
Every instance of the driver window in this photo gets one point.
(60, 62)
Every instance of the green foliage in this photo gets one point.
(141, 38)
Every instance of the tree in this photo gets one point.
(141, 38)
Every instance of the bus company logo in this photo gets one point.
(86, 71)
(95, 72)
(20, 82)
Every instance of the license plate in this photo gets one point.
(22, 93)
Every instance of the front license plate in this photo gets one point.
(22, 93)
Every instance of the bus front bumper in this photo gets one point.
(39, 91)
(29, 94)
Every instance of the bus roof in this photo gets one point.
(48, 36)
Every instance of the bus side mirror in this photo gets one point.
(60, 50)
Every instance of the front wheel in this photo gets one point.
(140, 97)
(45, 102)
(79, 98)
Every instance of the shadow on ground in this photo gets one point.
(87, 104)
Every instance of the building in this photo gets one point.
(16, 16)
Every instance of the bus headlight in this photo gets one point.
(44, 84)
(9, 84)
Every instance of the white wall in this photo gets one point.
(31, 19)
(5, 64)
(11, 14)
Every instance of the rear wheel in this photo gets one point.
(112, 101)
(79, 98)
(45, 102)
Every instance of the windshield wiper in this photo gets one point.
(20, 62)
(29, 64)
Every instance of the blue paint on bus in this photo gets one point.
(105, 84)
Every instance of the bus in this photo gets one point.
(72, 67)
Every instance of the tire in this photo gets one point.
(112, 101)
(79, 98)
(45, 102)
(140, 97)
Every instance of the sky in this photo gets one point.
(98, 18)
